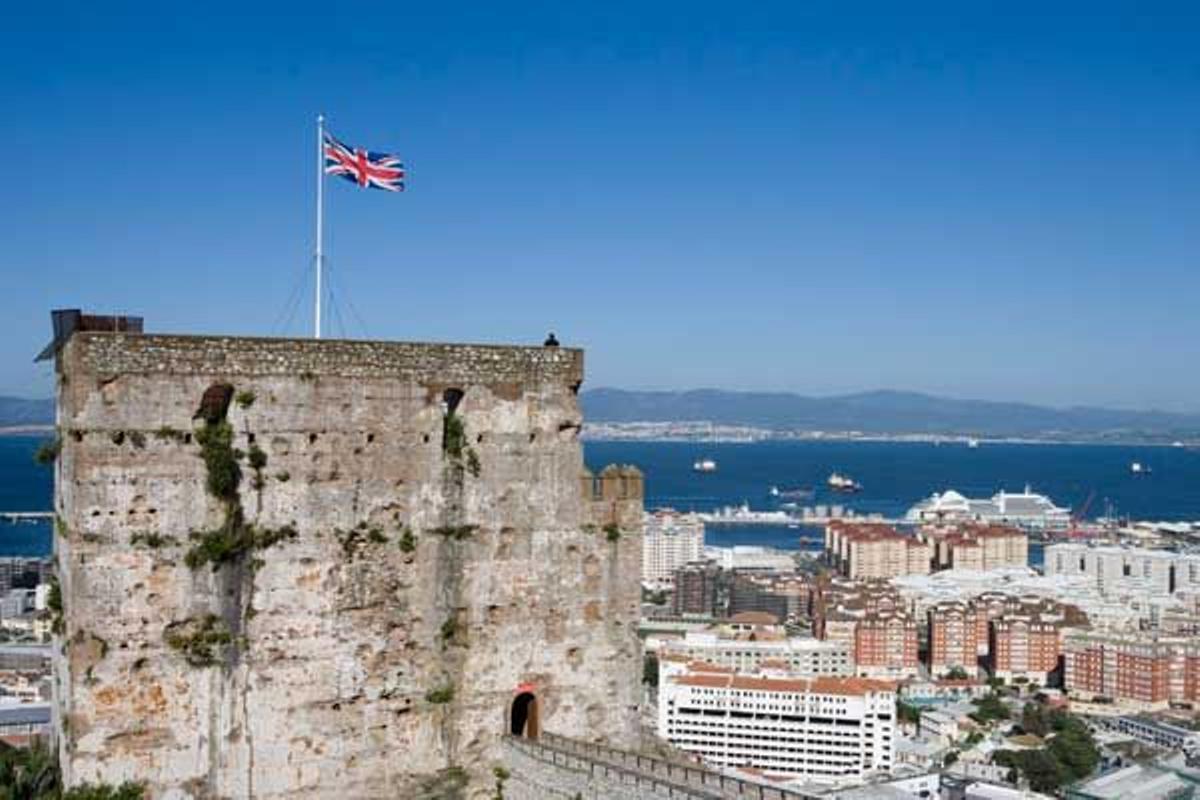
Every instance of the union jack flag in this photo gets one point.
(369, 170)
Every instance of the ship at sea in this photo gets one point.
(798, 493)
(840, 483)
(1025, 509)
(704, 465)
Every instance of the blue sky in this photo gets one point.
(993, 201)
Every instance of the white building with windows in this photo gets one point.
(669, 541)
(801, 656)
(826, 730)
(1113, 569)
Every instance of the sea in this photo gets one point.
(894, 476)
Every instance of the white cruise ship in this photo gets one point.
(1025, 509)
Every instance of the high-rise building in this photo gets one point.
(825, 729)
(787, 596)
(669, 541)
(1118, 569)
(698, 589)
(885, 645)
(953, 638)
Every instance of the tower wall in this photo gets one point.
(360, 610)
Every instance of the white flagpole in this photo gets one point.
(320, 215)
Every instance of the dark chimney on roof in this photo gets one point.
(67, 321)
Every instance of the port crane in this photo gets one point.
(1073, 529)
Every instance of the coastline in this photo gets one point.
(25, 430)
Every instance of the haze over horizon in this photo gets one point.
(978, 204)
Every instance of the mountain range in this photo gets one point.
(18, 411)
(880, 412)
(885, 412)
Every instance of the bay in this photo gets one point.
(894, 475)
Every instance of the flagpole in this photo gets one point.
(320, 217)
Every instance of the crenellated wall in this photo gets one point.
(392, 565)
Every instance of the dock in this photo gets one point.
(18, 517)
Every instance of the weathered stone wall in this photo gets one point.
(375, 652)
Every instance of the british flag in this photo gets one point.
(369, 170)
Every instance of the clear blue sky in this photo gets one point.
(998, 201)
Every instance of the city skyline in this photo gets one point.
(963, 203)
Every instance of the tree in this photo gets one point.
(957, 673)
(650, 669)
(988, 708)
(906, 712)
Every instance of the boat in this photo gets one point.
(1026, 509)
(1138, 468)
(704, 465)
(973, 443)
(841, 483)
(798, 493)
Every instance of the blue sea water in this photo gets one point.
(894, 475)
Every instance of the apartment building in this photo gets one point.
(885, 645)
(1117, 569)
(699, 590)
(669, 541)
(825, 729)
(1143, 670)
(800, 656)
(976, 546)
(786, 595)
(865, 551)
(1026, 646)
(953, 638)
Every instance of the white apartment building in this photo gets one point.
(1114, 570)
(800, 656)
(670, 540)
(826, 730)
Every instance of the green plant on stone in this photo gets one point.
(54, 602)
(47, 452)
(256, 457)
(449, 629)
(216, 448)
(283, 476)
(612, 532)
(456, 532)
(408, 542)
(473, 465)
(245, 398)
(137, 439)
(201, 640)
(151, 539)
(375, 534)
(441, 695)
(167, 433)
(502, 775)
(454, 436)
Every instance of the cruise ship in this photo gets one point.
(1025, 509)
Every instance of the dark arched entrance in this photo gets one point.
(523, 721)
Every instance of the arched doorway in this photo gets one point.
(523, 720)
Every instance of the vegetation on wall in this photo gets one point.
(201, 640)
(47, 452)
(32, 773)
(440, 695)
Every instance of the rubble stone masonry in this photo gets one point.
(301, 568)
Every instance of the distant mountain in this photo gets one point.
(19, 411)
(884, 412)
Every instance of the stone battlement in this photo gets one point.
(147, 354)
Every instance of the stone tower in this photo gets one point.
(301, 568)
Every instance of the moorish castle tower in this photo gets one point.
(313, 568)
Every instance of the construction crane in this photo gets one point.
(1073, 529)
